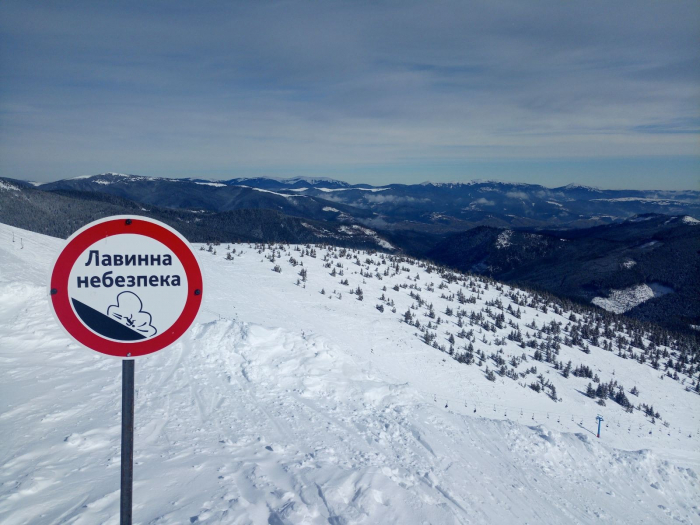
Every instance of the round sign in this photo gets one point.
(126, 286)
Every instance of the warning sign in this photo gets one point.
(126, 286)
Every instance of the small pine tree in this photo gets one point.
(567, 370)
(590, 391)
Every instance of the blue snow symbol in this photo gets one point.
(128, 311)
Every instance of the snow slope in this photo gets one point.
(285, 405)
(620, 301)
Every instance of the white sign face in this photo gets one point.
(126, 286)
(146, 298)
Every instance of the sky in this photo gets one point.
(599, 93)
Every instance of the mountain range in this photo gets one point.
(431, 207)
(628, 251)
(650, 264)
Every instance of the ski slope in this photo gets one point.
(284, 405)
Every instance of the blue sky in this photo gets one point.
(599, 93)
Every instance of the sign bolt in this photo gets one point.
(128, 221)
(197, 291)
(54, 291)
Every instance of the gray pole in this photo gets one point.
(127, 479)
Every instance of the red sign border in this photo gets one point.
(119, 225)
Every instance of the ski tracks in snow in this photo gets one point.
(265, 390)
(243, 424)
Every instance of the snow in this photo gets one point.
(687, 219)
(331, 190)
(282, 405)
(629, 264)
(355, 229)
(214, 184)
(99, 179)
(385, 244)
(574, 186)
(475, 182)
(328, 208)
(292, 180)
(312, 180)
(620, 301)
(658, 202)
(6, 186)
(503, 240)
(108, 174)
(286, 196)
(449, 184)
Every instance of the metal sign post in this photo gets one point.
(127, 479)
(599, 419)
(126, 287)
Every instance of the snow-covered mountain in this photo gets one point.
(439, 207)
(367, 388)
(213, 196)
(647, 266)
(288, 183)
